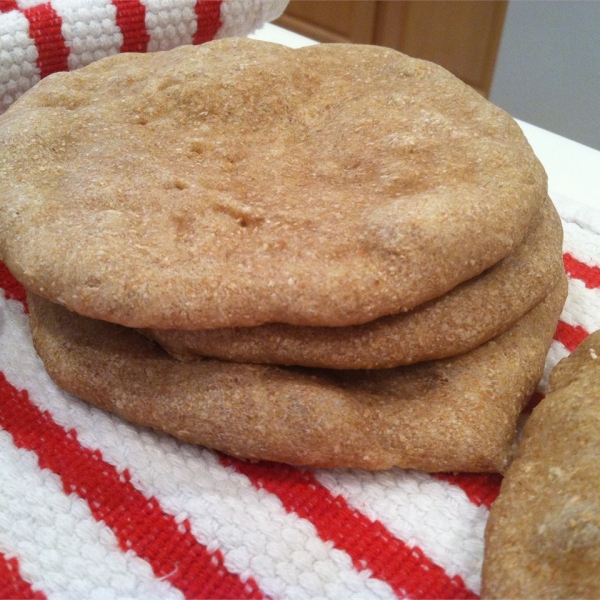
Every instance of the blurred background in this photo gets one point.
(537, 59)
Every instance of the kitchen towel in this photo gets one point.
(93, 507)
(41, 38)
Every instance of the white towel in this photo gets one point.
(40, 38)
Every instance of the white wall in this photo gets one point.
(548, 67)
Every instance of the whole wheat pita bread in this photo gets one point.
(241, 182)
(543, 534)
(453, 414)
(464, 318)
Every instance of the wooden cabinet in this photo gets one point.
(462, 36)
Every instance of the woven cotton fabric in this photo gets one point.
(93, 507)
(41, 38)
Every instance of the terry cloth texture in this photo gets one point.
(93, 507)
(41, 38)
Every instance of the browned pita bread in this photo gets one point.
(543, 535)
(464, 318)
(456, 414)
(240, 182)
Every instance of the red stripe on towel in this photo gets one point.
(578, 270)
(137, 521)
(13, 290)
(12, 584)
(45, 30)
(370, 545)
(481, 488)
(131, 20)
(535, 399)
(208, 13)
(570, 336)
(8, 5)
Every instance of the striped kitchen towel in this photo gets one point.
(39, 38)
(93, 507)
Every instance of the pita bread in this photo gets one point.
(464, 318)
(543, 534)
(240, 182)
(457, 414)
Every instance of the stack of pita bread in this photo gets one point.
(331, 256)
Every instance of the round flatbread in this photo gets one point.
(467, 316)
(457, 414)
(241, 182)
(543, 534)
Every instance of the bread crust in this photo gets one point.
(457, 414)
(460, 320)
(543, 535)
(240, 182)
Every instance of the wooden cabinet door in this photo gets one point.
(332, 20)
(462, 36)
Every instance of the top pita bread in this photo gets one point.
(242, 182)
